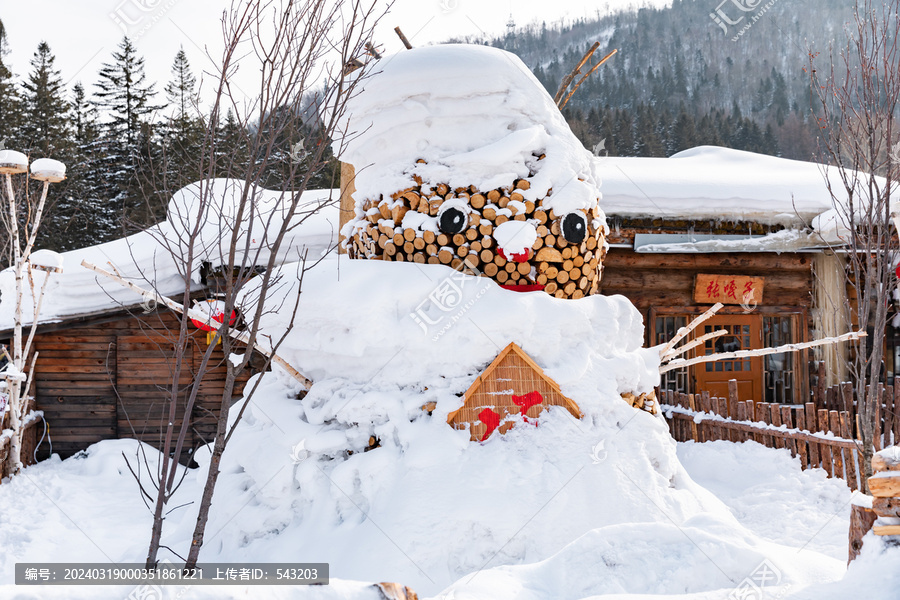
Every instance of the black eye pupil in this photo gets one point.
(574, 228)
(453, 220)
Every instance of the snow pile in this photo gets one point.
(203, 216)
(46, 259)
(566, 509)
(587, 505)
(146, 258)
(483, 122)
(709, 182)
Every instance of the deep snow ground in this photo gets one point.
(59, 505)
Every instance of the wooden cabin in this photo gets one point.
(108, 376)
(106, 357)
(710, 225)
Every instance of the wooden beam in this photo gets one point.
(700, 340)
(681, 363)
(586, 75)
(684, 331)
(403, 38)
(568, 78)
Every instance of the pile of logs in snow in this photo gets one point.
(454, 227)
(884, 486)
(880, 510)
(645, 401)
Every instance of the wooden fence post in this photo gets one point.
(801, 444)
(851, 455)
(705, 406)
(692, 405)
(825, 449)
(787, 421)
(812, 428)
(835, 426)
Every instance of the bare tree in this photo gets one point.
(856, 100)
(242, 228)
(20, 223)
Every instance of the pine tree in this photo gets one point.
(82, 217)
(684, 134)
(184, 127)
(125, 97)
(181, 95)
(10, 102)
(124, 93)
(45, 128)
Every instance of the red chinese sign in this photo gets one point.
(728, 289)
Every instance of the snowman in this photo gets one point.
(460, 157)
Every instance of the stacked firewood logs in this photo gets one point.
(884, 486)
(454, 227)
(646, 401)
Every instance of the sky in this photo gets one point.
(84, 34)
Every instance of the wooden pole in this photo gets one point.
(700, 340)
(403, 38)
(682, 333)
(200, 316)
(568, 78)
(680, 363)
(583, 79)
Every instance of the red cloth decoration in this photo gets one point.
(519, 258)
(526, 401)
(491, 420)
(218, 317)
(531, 287)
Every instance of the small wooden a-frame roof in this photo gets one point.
(512, 384)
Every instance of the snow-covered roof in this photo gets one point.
(148, 259)
(709, 182)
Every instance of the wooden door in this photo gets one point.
(744, 333)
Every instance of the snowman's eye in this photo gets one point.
(574, 227)
(453, 220)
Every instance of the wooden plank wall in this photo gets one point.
(667, 280)
(106, 380)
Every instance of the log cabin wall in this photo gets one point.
(663, 284)
(656, 280)
(108, 377)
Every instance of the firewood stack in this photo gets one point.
(884, 486)
(646, 401)
(440, 225)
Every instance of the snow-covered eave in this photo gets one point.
(60, 321)
(786, 240)
(703, 209)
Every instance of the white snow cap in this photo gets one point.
(476, 115)
(47, 167)
(47, 259)
(216, 203)
(11, 157)
(515, 237)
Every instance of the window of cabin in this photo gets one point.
(666, 328)
(779, 368)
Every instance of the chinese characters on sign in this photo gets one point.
(728, 289)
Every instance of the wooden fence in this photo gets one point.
(820, 437)
(841, 398)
